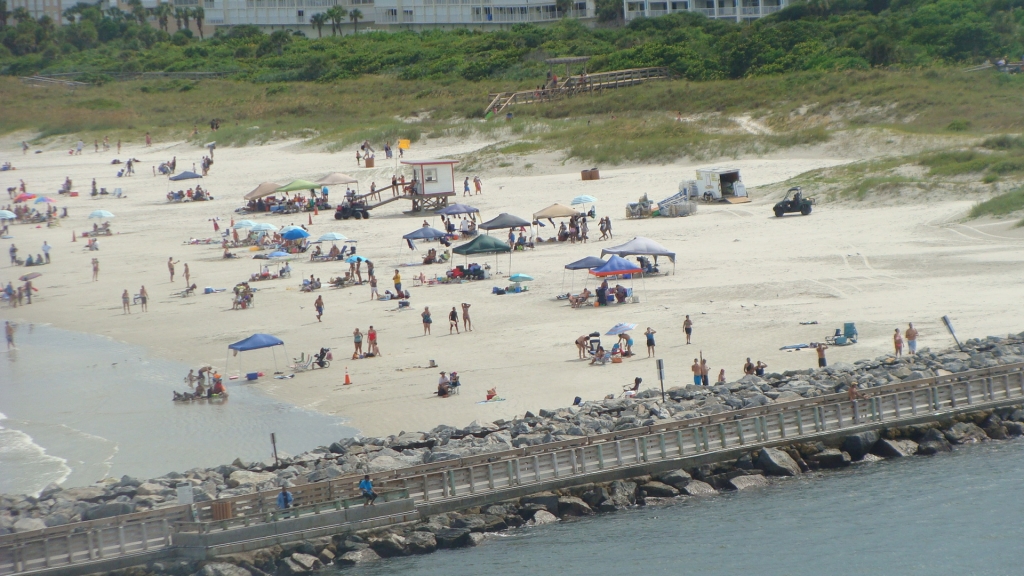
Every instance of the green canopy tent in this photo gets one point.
(296, 185)
(485, 245)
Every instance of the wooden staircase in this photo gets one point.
(573, 85)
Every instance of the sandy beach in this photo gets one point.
(746, 278)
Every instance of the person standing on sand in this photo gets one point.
(357, 339)
(374, 294)
(704, 372)
(688, 328)
(46, 251)
(126, 302)
(465, 187)
(426, 320)
(78, 148)
(187, 275)
(912, 338)
(95, 269)
(453, 321)
(650, 341)
(696, 372)
(144, 299)
(319, 305)
(821, 355)
(897, 342)
(14, 254)
(149, 140)
(467, 324)
(9, 332)
(581, 346)
(24, 147)
(170, 266)
(478, 184)
(397, 278)
(371, 338)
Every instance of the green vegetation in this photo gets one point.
(816, 35)
(1008, 203)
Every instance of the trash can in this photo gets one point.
(369, 162)
(221, 510)
(585, 174)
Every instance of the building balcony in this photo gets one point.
(656, 13)
(709, 12)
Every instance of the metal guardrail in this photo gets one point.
(500, 471)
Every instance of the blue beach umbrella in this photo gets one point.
(46, 199)
(620, 328)
(520, 278)
(354, 259)
(7, 215)
(585, 199)
(295, 234)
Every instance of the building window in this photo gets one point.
(430, 174)
(680, 5)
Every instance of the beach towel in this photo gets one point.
(795, 347)
(495, 399)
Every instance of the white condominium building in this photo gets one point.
(738, 10)
(282, 14)
(423, 14)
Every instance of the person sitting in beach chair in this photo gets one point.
(581, 300)
(285, 271)
(454, 384)
(630, 390)
(431, 256)
(315, 254)
(334, 252)
(601, 356)
(620, 293)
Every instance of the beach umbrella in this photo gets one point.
(291, 227)
(264, 227)
(331, 237)
(243, 224)
(455, 209)
(24, 197)
(7, 215)
(620, 328)
(298, 185)
(356, 258)
(279, 254)
(31, 276)
(520, 278)
(186, 175)
(46, 199)
(100, 214)
(295, 234)
(585, 199)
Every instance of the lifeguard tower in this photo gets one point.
(433, 183)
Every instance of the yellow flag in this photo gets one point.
(403, 144)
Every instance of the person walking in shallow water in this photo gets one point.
(9, 333)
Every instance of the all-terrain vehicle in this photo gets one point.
(794, 202)
(349, 209)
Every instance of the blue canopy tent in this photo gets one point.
(585, 264)
(256, 342)
(186, 175)
(618, 266)
(456, 209)
(423, 233)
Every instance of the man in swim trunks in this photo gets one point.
(144, 299)
(688, 328)
(696, 372)
(453, 321)
(748, 368)
(704, 372)
(912, 338)
(9, 332)
(581, 346)
(821, 355)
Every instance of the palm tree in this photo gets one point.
(186, 13)
(355, 16)
(178, 15)
(337, 14)
(4, 14)
(138, 11)
(115, 14)
(163, 12)
(316, 20)
(47, 27)
(199, 14)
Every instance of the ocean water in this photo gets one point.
(75, 408)
(953, 514)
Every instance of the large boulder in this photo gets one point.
(247, 478)
(420, 542)
(831, 458)
(83, 493)
(572, 506)
(894, 448)
(965, 433)
(932, 442)
(453, 537)
(546, 499)
(698, 488)
(860, 444)
(473, 522)
(656, 489)
(152, 489)
(307, 561)
(595, 496)
(747, 482)
(29, 524)
(543, 517)
(356, 557)
(289, 567)
(388, 545)
(777, 463)
(108, 510)
(677, 479)
(223, 569)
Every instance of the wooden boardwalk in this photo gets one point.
(455, 484)
(579, 84)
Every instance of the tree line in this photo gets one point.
(807, 35)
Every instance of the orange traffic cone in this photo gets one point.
(311, 219)
(348, 380)
(316, 211)
(73, 236)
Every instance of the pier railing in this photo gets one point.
(496, 476)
